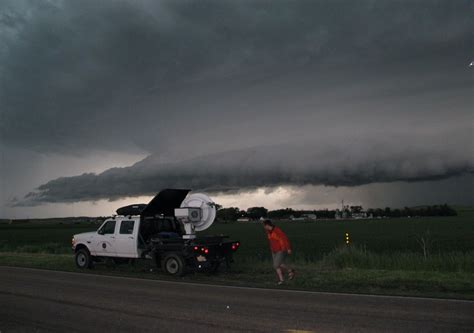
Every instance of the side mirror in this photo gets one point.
(100, 231)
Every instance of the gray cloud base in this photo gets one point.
(357, 162)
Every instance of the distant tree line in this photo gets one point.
(255, 213)
(436, 210)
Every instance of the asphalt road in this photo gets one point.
(47, 301)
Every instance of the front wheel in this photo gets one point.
(173, 264)
(83, 259)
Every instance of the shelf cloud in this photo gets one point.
(355, 163)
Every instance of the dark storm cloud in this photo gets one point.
(75, 73)
(228, 95)
(353, 163)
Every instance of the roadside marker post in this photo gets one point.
(347, 239)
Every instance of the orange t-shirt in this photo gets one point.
(278, 240)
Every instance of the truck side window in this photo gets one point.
(108, 228)
(126, 227)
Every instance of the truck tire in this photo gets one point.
(173, 264)
(214, 268)
(83, 259)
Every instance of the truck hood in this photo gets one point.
(165, 202)
(84, 235)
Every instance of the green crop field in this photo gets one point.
(384, 255)
(311, 240)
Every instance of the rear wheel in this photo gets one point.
(214, 268)
(83, 259)
(173, 264)
(228, 262)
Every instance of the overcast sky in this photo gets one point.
(275, 103)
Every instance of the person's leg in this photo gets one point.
(280, 275)
(290, 271)
(283, 265)
(277, 261)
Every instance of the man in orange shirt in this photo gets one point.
(280, 247)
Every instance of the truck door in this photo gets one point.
(105, 240)
(126, 239)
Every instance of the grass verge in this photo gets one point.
(326, 275)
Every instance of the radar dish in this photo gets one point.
(208, 209)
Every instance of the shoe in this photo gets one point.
(280, 283)
(291, 274)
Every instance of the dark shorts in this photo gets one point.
(278, 258)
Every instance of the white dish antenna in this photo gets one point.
(197, 213)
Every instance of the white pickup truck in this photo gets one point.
(163, 231)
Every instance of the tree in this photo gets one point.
(445, 210)
(407, 212)
(228, 214)
(281, 213)
(243, 213)
(257, 212)
(378, 212)
(355, 209)
(396, 213)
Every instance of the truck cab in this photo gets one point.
(154, 232)
(116, 237)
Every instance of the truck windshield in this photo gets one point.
(107, 228)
